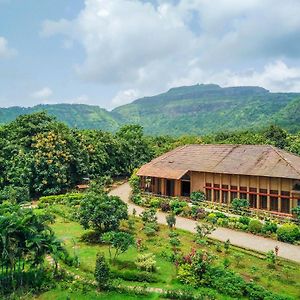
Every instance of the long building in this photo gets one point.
(265, 175)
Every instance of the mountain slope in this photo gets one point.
(202, 109)
(197, 109)
(75, 115)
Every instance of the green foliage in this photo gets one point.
(146, 262)
(14, 194)
(67, 199)
(288, 233)
(239, 204)
(203, 230)
(197, 197)
(119, 241)
(296, 212)
(171, 220)
(24, 237)
(271, 258)
(102, 272)
(135, 275)
(255, 226)
(177, 206)
(134, 182)
(101, 212)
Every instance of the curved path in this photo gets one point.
(237, 238)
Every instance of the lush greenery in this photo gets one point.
(226, 272)
(40, 156)
(199, 109)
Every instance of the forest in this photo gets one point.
(89, 240)
(42, 156)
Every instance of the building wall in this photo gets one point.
(265, 193)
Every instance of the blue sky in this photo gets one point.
(109, 53)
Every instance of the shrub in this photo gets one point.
(136, 199)
(239, 204)
(146, 262)
(102, 271)
(255, 226)
(288, 233)
(197, 197)
(91, 237)
(177, 206)
(165, 205)
(269, 227)
(212, 217)
(171, 220)
(198, 212)
(244, 220)
(14, 193)
(68, 199)
(155, 202)
(186, 275)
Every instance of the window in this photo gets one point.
(225, 197)
(263, 199)
(252, 197)
(243, 195)
(274, 203)
(216, 196)
(285, 202)
(208, 195)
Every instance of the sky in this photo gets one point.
(110, 52)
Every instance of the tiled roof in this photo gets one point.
(256, 160)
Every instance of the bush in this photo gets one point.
(102, 271)
(155, 202)
(288, 233)
(146, 262)
(197, 197)
(239, 204)
(255, 226)
(198, 213)
(244, 220)
(91, 237)
(269, 227)
(165, 205)
(14, 193)
(177, 206)
(212, 217)
(68, 199)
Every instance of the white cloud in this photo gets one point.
(5, 50)
(42, 94)
(125, 96)
(144, 48)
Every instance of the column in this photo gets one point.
(279, 196)
(268, 197)
(257, 190)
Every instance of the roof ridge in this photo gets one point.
(276, 150)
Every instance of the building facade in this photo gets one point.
(268, 177)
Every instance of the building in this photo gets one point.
(265, 175)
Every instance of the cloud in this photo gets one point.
(125, 96)
(144, 47)
(42, 94)
(5, 50)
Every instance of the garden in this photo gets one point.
(110, 253)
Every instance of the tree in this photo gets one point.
(276, 136)
(120, 241)
(102, 272)
(204, 229)
(102, 212)
(296, 212)
(171, 220)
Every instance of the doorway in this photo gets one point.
(185, 188)
(170, 187)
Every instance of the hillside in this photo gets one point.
(198, 109)
(202, 109)
(75, 115)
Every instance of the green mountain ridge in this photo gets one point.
(197, 109)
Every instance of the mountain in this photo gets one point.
(197, 109)
(202, 109)
(75, 115)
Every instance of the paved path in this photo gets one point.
(237, 238)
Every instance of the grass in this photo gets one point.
(283, 279)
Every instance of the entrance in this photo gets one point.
(170, 187)
(185, 188)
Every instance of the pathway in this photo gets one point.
(237, 238)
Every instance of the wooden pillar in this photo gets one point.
(229, 193)
(279, 196)
(248, 189)
(257, 190)
(238, 186)
(221, 192)
(268, 197)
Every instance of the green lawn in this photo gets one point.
(285, 279)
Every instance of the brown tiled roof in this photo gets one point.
(256, 160)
